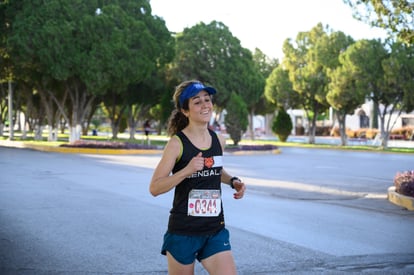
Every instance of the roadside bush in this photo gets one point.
(323, 131)
(407, 132)
(404, 183)
(359, 133)
(282, 125)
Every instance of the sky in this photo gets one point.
(264, 24)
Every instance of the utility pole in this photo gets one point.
(11, 124)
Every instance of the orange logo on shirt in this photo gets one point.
(209, 162)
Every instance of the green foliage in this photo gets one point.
(89, 53)
(282, 125)
(392, 15)
(96, 123)
(63, 56)
(399, 75)
(123, 124)
(279, 90)
(308, 70)
(264, 64)
(344, 94)
(236, 118)
(211, 54)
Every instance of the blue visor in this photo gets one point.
(192, 90)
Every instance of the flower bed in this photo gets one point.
(126, 145)
(265, 147)
(402, 193)
(107, 145)
(404, 183)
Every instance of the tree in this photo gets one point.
(211, 54)
(139, 103)
(89, 47)
(3, 106)
(365, 57)
(396, 94)
(396, 16)
(399, 75)
(341, 94)
(6, 70)
(282, 125)
(344, 95)
(386, 78)
(264, 65)
(308, 73)
(236, 118)
(252, 91)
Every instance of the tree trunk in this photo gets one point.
(312, 129)
(268, 123)
(74, 133)
(342, 128)
(81, 102)
(115, 127)
(38, 131)
(23, 123)
(132, 122)
(251, 126)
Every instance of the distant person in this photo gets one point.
(147, 129)
(192, 165)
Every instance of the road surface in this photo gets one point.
(307, 211)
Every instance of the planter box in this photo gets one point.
(400, 200)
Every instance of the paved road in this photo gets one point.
(307, 211)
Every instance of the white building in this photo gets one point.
(360, 119)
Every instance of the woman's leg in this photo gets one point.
(176, 268)
(221, 263)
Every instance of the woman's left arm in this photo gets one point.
(235, 182)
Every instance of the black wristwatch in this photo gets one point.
(233, 179)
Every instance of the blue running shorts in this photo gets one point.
(185, 249)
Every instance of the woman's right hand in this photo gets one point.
(196, 163)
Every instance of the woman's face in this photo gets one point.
(200, 107)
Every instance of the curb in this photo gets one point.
(102, 151)
(400, 200)
(73, 150)
(253, 152)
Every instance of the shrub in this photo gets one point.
(358, 133)
(264, 147)
(404, 183)
(282, 125)
(323, 131)
(406, 131)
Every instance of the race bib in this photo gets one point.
(204, 203)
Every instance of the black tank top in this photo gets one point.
(180, 222)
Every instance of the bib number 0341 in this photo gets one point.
(204, 203)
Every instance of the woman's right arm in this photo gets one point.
(162, 180)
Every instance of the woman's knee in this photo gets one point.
(220, 263)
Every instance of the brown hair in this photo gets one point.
(178, 121)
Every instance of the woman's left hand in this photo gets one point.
(240, 187)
